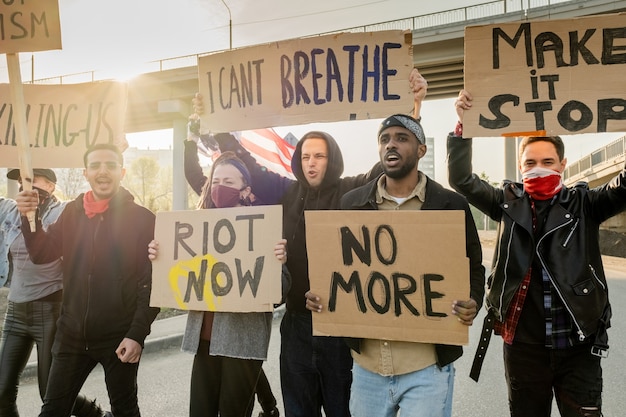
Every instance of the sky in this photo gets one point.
(119, 38)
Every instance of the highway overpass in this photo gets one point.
(161, 98)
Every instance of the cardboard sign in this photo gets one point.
(389, 275)
(63, 120)
(557, 76)
(347, 76)
(29, 26)
(218, 259)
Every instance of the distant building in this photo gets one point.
(427, 163)
(162, 156)
(291, 139)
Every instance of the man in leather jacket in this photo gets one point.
(547, 294)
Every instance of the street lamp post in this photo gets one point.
(230, 25)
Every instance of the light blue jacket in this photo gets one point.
(11, 227)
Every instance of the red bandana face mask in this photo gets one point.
(542, 183)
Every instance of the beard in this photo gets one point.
(401, 171)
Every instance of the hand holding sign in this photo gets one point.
(21, 130)
(44, 33)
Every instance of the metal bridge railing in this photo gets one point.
(597, 157)
(478, 11)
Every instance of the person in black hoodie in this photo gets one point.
(315, 371)
(107, 277)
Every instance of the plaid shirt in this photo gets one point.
(507, 328)
(558, 323)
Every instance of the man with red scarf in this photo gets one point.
(107, 278)
(547, 294)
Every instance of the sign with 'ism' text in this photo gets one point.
(388, 275)
(339, 77)
(557, 77)
(218, 259)
(29, 25)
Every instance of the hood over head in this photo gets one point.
(334, 170)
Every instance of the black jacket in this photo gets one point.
(568, 251)
(107, 276)
(296, 197)
(437, 198)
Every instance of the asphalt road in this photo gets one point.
(164, 376)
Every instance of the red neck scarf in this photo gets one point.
(93, 207)
(542, 183)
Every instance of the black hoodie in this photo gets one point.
(296, 197)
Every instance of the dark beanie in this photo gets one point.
(405, 121)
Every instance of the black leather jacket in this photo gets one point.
(568, 251)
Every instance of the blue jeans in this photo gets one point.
(423, 393)
(534, 372)
(315, 372)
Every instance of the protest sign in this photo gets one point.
(555, 77)
(29, 26)
(339, 77)
(218, 259)
(63, 120)
(389, 275)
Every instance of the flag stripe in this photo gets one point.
(269, 149)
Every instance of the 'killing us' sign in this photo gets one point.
(339, 77)
(557, 77)
(388, 275)
(63, 121)
(218, 259)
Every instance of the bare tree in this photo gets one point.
(149, 184)
(70, 183)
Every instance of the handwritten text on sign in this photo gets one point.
(218, 259)
(29, 26)
(388, 275)
(63, 120)
(324, 78)
(561, 76)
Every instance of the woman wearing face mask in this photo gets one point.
(229, 348)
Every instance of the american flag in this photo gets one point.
(265, 145)
(269, 149)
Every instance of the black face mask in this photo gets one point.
(44, 196)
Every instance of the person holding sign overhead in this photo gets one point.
(197, 180)
(547, 293)
(229, 348)
(315, 371)
(419, 376)
(105, 313)
(34, 300)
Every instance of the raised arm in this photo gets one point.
(268, 186)
(478, 192)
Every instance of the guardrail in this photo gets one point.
(597, 157)
(477, 11)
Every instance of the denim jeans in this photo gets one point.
(315, 372)
(534, 372)
(423, 393)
